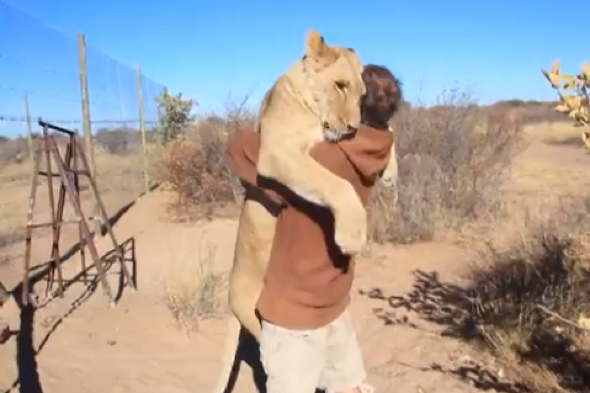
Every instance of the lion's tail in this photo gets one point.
(232, 340)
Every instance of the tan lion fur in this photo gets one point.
(317, 99)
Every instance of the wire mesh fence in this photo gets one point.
(42, 75)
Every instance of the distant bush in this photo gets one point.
(13, 151)
(119, 141)
(453, 160)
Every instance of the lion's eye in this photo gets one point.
(342, 85)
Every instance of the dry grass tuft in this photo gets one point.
(193, 288)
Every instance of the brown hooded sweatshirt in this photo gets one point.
(308, 280)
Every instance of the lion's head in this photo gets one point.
(333, 74)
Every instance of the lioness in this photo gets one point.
(336, 96)
(317, 99)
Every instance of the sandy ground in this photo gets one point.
(78, 343)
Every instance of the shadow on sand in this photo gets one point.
(28, 380)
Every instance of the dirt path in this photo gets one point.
(138, 347)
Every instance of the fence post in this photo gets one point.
(29, 128)
(141, 104)
(87, 125)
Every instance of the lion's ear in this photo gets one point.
(318, 49)
(316, 45)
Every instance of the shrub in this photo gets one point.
(531, 300)
(193, 166)
(176, 115)
(453, 160)
(119, 141)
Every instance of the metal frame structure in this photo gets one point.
(68, 172)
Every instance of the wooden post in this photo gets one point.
(86, 118)
(29, 128)
(141, 104)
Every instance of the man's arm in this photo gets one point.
(241, 156)
(369, 152)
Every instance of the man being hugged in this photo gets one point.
(307, 338)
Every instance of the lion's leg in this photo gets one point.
(291, 164)
(253, 246)
(246, 283)
(243, 306)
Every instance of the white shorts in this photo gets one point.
(300, 361)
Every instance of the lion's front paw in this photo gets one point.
(351, 230)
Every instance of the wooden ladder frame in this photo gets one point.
(68, 172)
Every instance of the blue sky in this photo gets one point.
(213, 50)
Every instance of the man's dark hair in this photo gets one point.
(383, 96)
